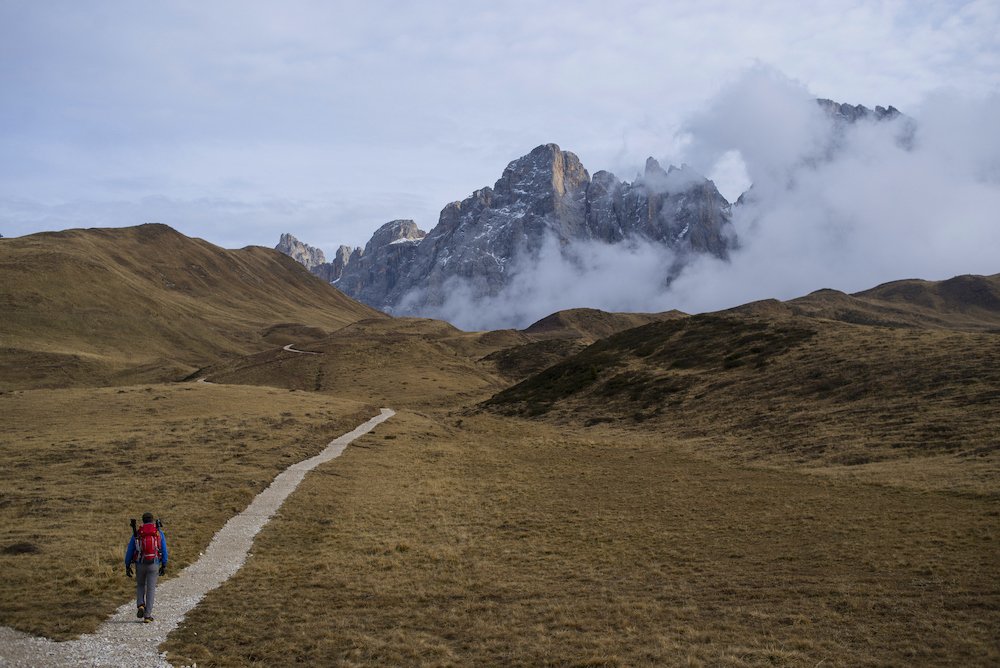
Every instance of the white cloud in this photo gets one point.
(366, 106)
(624, 277)
(870, 211)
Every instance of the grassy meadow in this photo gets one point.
(147, 304)
(478, 540)
(78, 463)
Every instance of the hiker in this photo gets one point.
(147, 549)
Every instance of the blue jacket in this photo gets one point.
(130, 550)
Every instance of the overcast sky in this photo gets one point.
(237, 121)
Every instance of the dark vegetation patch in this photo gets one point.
(525, 360)
(21, 548)
(668, 351)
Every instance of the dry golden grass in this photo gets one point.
(589, 325)
(422, 363)
(969, 303)
(399, 362)
(146, 303)
(493, 541)
(78, 463)
(844, 399)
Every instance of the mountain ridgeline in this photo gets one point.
(548, 192)
(481, 242)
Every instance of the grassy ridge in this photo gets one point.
(706, 343)
(114, 306)
(589, 325)
(966, 303)
(798, 392)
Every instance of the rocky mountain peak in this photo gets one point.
(332, 271)
(343, 256)
(395, 231)
(653, 171)
(545, 194)
(852, 113)
(304, 254)
(544, 176)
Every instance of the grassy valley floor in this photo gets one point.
(494, 541)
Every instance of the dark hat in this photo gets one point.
(147, 518)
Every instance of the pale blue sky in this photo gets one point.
(237, 121)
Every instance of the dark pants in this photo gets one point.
(145, 585)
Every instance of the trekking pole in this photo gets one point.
(135, 537)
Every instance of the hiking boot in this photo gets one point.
(140, 611)
(148, 620)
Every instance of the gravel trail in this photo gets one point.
(123, 641)
(290, 349)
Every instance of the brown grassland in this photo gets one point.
(815, 482)
(898, 406)
(147, 304)
(507, 542)
(78, 463)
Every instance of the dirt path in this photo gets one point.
(122, 640)
(301, 352)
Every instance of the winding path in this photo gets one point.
(300, 352)
(121, 641)
(205, 380)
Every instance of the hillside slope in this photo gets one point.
(589, 324)
(100, 306)
(563, 334)
(761, 383)
(968, 303)
(402, 362)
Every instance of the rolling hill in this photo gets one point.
(589, 325)
(802, 383)
(403, 362)
(145, 303)
(966, 303)
(561, 335)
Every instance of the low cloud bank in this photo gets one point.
(832, 206)
(621, 277)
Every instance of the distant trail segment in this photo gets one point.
(301, 352)
(122, 641)
(289, 348)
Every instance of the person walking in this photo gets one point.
(147, 550)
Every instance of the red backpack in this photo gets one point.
(147, 543)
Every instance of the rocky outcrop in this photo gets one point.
(304, 254)
(677, 207)
(846, 115)
(477, 240)
(853, 113)
(332, 271)
(371, 273)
